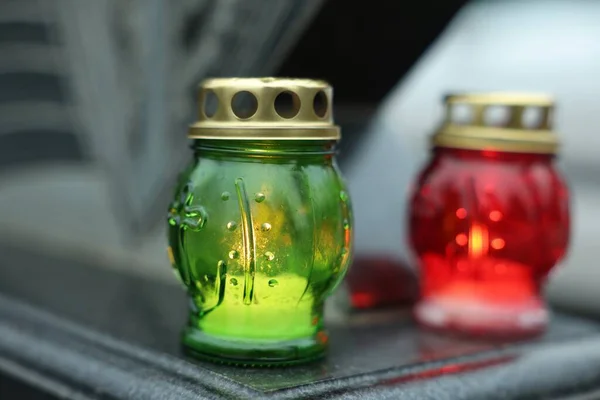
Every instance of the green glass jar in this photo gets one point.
(260, 231)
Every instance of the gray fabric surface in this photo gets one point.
(129, 347)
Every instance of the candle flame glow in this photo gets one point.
(479, 240)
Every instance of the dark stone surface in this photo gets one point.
(108, 335)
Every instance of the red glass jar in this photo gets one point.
(489, 219)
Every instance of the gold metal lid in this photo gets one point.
(265, 109)
(510, 122)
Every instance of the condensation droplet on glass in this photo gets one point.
(231, 225)
(461, 213)
(233, 254)
(266, 227)
(498, 243)
(233, 281)
(221, 264)
(273, 282)
(343, 196)
(225, 196)
(495, 215)
(259, 197)
(269, 256)
(461, 239)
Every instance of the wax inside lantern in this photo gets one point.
(478, 293)
(275, 313)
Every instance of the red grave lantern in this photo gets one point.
(489, 216)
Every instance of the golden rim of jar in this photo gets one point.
(265, 109)
(510, 122)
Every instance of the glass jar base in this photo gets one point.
(252, 353)
(483, 319)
